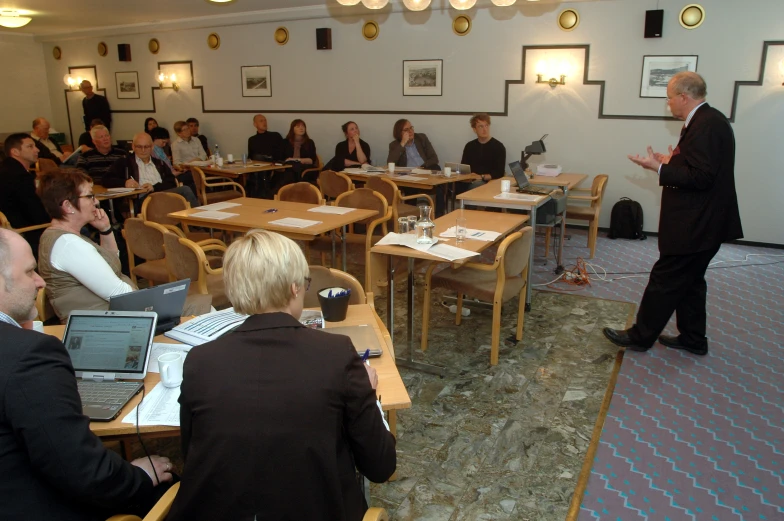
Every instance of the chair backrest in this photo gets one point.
(333, 184)
(366, 199)
(184, 260)
(144, 239)
(322, 277)
(300, 193)
(43, 166)
(598, 187)
(4, 222)
(385, 187)
(199, 180)
(516, 250)
(158, 205)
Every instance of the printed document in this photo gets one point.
(160, 407)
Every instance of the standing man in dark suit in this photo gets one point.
(699, 211)
(95, 106)
(51, 465)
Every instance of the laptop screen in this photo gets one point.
(110, 342)
(519, 174)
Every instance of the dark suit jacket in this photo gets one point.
(18, 200)
(274, 419)
(126, 168)
(44, 152)
(397, 153)
(338, 162)
(699, 208)
(51, 465)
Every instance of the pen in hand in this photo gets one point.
(366, 355)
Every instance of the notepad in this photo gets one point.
(217, 206)
(119, 190)
(293, 222)
(337, 210)
(209, 214)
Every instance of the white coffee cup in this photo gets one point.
(506, 185)
(170, 367)
(219, 161)
(391, 167)
(38, 326)
(447, 171)
(230, 158)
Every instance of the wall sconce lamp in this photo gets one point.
(781, 67)
(549, 68)
(552, 82)
(161, 77)
(72, 82)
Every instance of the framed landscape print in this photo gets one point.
(127, 85)
(256, 81)
(422, 77)
(657, 71)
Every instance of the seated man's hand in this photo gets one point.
(84, 148)
(373, 375)
(163, 468)
(131, 183)
(148, 187)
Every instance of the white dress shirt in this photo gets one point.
(147, 172)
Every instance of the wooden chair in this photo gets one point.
(145, 240)
(301, 192)
(5, 223)
(44, 166)
(158, 205)
(187, 260)
(498, 282)
(323, 277)
(395, 199)
(203, 182)
(585, 213)
(158, 512)
(333, 184)
(314, 169)
(43, 306)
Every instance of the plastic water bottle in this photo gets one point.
(217, 152)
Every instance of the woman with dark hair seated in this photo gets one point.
(299, 150)
(275, 417)
(149, 124)
(351, 153)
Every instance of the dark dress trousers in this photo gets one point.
(51, 465)
(699, 211)
(275, 417)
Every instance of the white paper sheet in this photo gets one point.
(325, 208)
(450, 253)
(210, 214)
(199, 163)
(410, 178)
(479, 235)
(218, 206)
(119, 190)
(160, 407)
(509, 196)
(159, 348)
(421, 171)
(293, 222)
(354, 171)
(404, 239)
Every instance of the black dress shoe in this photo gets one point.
(675, 343)
(621, 337)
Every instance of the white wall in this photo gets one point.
(24, 94)
(359, 75)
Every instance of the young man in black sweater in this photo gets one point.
(485, 154)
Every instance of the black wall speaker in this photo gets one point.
(124, 51)
(654, 20)
(324, 38)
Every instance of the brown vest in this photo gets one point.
(63, 290)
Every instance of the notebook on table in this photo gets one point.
(110, 351)
(167, 300)
(363, 337)
(523, 185)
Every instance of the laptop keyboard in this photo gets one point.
(533, 191)
(109, 393)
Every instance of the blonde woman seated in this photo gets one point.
(79, 273)
(275, 417)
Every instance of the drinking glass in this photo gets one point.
(461, 229)
(412, 220)
(402, 225)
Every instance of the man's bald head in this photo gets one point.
(142, 146)
(19, 283)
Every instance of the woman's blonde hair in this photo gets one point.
(259, 269)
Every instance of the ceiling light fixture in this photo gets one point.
(375, 4)
(503, 3)
(10, 18)
(348, 2)
(462, 5)
(416, 5)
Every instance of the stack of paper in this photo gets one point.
(443, 251)
(515, 196)
(159, 349)
(293, 222)
(354, 171)
(218, 206)
(206, 327)
(119, 190)
(548, 170)
(160, 407)
(421, 171)
(479, 235)
(373, 169)
(210, 214)
(337, 210)
(410, 178)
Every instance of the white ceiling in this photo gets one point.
(77, 18)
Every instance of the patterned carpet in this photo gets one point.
(691, 437)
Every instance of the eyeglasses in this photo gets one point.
(308, 280)
(88, 196)
(142, 147)
(483, 126)
(408, 129)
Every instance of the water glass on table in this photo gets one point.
(244, 160)
(461, 229)
(412, 220)
(402, 225)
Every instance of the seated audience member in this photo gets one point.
(351, 153)
(160, 141)
(79, 274)
(141, 170)
(298, 149)
(149, 124)
(18, 200)
(265, 145)
(99, 160)
(47, 148)
(85, 139)
(51, 465)
(410, 149)
(186, 148)
(193, 125)
(486, 155)
(292, 458)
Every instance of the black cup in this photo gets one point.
(334, 308)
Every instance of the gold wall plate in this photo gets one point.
(213, 41)
(281, 35)
(461, 25)
(57, 53)
(568, 20)
(692, 16)
(103, 50)
(154, 45)
(370, 31)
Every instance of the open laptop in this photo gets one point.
(109, 351)
(362, 336)
(167, 300)
(522, 181)
(458, 168)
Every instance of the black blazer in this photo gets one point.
(45, 153)
(274, 419)
(51, 465)
(18, 199)
(127, 168)
(397, 153)
(699, 208)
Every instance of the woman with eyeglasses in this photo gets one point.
(410, 149)
(275, 417)
(79, 273)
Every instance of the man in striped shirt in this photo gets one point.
(97, 162)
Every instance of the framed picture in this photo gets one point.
(422, 77)
(256, 81)
(127, 85)
(657, 71)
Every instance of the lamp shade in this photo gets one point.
(375, 4)
(12, 20)
(416, 5)
(462, 5)
(348, 2)
(503, 3)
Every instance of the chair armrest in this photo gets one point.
(314, 168)
(481, 267)
(583, 197)
(124, 517)
(375, 514)
(579, 189)
(224, 183)
(417, 196)
(162, 507)
(372, 227)
(207, 242)
(33, 227)
(210, 270)
(171, 228)
(212, 247)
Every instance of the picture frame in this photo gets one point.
(256, 81)
(127, 84)
(657, 71)
(423, 77)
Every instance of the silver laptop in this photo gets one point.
(167, 300)
(109, 351)
(363, 337)
(458, 168)
(523, 185)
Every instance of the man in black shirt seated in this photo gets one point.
(97, 162)
(263, 146)
(486, 155)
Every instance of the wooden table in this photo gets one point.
(485, 196)
(236, 170)
(102, 194)
(503, 223)
(255, 213)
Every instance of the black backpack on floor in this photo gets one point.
(626, 220)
